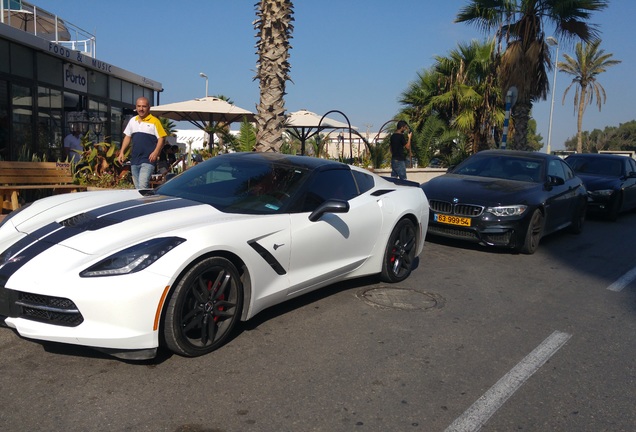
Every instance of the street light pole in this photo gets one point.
(552, 42)
(202, 75)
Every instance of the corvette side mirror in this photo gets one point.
(329, 206)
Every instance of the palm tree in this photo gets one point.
(469, 88)
(168, 126)
(460, 92)
(221, 129)
(247, 137)
(590, 61)
(274, 26)
(521, 25)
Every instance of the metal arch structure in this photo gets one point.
(351, 132)
(375, 139)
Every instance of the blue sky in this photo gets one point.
(354, 56)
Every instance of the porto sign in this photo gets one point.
(75, 78)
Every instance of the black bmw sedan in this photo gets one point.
(610, 181)
(506, 198)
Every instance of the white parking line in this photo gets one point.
(623, 281)
(474, 417)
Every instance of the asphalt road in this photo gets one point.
(475, 338)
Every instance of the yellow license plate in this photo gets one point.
(452, 220)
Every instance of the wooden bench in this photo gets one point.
(20, 176)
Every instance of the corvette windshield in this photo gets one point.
(238, 185)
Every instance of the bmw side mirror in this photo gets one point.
(554, 181)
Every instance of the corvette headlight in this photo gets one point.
(602, 193)
(503, 211)
(133, 259)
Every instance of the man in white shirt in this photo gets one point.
(73, 147)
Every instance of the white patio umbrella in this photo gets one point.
(304, 124)
(201, 111)
(37, 22)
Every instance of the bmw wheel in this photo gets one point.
(399, 255)
(533, 233)
(204, 308)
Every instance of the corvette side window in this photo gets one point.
(365, 181)
(333, 184)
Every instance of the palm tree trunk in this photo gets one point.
(521, 115)
(579, 120)
(272, 70)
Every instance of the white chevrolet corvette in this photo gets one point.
(128, 271)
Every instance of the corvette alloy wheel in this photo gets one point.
(399, 255)
(204, 308)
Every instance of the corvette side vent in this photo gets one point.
(381, 192)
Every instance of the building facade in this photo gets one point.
(50, 85)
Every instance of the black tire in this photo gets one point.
(578, 219)
(533, 233)
(399, 255)
(204, 308)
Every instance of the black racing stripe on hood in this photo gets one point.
(126, 210)
(22, 251)
(44, 238)
(145, 207)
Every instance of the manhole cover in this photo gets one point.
(402, 298)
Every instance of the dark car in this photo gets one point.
(610, 181)
(506, 198)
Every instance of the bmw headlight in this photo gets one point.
(505, 211)
(133, 259)
(602, 193)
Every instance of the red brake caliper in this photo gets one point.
(222, 297)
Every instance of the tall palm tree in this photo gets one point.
(274, 30)
(521, 25)
(590, 61)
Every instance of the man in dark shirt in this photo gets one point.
(399, 147)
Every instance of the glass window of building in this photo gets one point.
(149, 94)
(116, 126)
(50, 69)
(50, 133)
(4, 54)
(97, 84)
(98, 115)
(21, 61)
(115, 88)
(138, 91)
(4, 120)
(22, 122)
(127, 92)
